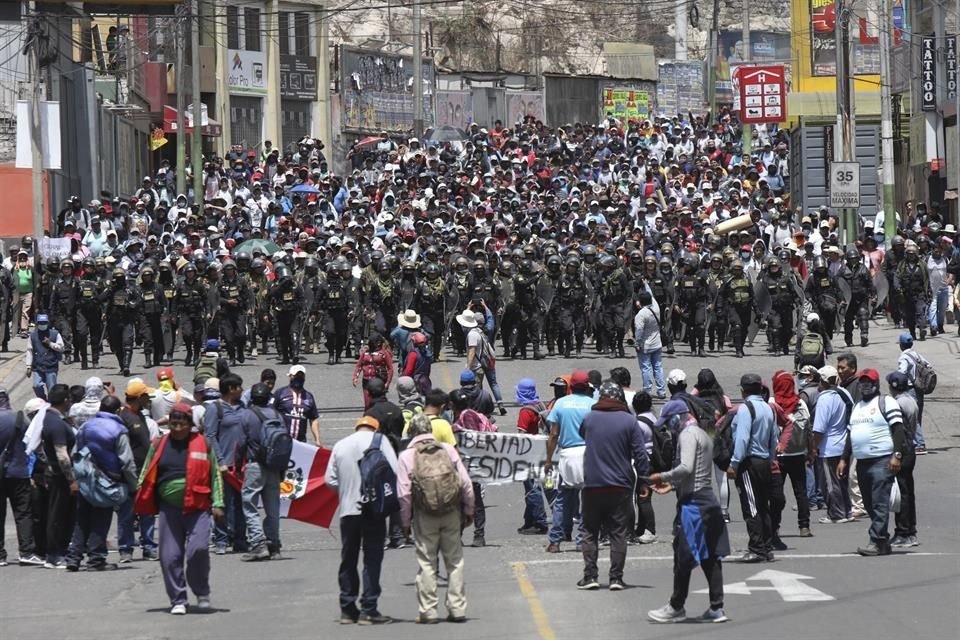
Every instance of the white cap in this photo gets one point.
(828, 373)
(676, 376)
(295, 369)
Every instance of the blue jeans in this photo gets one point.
(876, 482)
(231, 531)
(566, 513)
(919, 441)
(263, 486)
(535, 512)
(936, 314)
(42, 382)
(491, 376)
(651, 369)
(126, 528)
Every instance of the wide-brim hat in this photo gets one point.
(409, 319)
(467, 320)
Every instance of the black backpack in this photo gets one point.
(276, 444)
(378, 481)
(661, 455)
(723, 436)
(701, 410)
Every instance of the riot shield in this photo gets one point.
(883, 288)
(546, 291)
(762, 297)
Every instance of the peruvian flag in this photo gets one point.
(303, 493)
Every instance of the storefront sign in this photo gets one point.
(928, 73)
(763, 93)
(247, 72)
(298, 77)
(951, 68)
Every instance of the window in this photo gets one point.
(301, 33)
(284, 29)
(251, 29)
(233, 28)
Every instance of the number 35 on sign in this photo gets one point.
(845, 185)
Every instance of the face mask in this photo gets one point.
(867, 389)
(42, 327)
(297, 382)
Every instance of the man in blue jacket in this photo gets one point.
(754, 451)
(15, 482)
(106, 436)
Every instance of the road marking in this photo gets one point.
(540, 619)
(790, 586)
(577, 559)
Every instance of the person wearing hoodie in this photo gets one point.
(167, 394)
(530, 421)
(614, 458)
(44, 350)
(86, 409)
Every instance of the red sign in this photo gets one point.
(763, 93)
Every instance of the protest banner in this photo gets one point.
(499, 458)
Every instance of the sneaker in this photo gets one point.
(3, 562)
(588, 584)
(422, 619)
(911, 541)
(73, 567)
(633, 539)
(726, 518)
(874, 549)
(714, 615)
(220, 550)
(456, 619)
(605, 541)
(260, 552)
(276, 555)
(667, 613)
(203, 602)
(32, 560)
(374, 618)
(178, 610)
(532, 530)
(898, 541)
(479, 541)
(616, 584)
(920, 451)
(806, 533)
(778, 544)
(151, 554)
(126, 557)
(751, 558)
(348, 618)
(553, 547)
(829, 520)
(59, 564)
(857, 513)
(648, 538)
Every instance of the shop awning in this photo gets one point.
(208, 126)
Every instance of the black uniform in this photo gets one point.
(912, 284)
(862, 290)
(286, 300)
(190, 308)
(123, 309)
(64, 295)
(662, 288)
(89, 320)
(151, 321)
(531, 311)
(573, 296)
(736, 292)
(615, 297)
(822, 292)
(783, 299)
(692, 293)
(234, 303)
(332, 300)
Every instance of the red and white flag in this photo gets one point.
(304, 495)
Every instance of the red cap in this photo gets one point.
(183, 408)
(165, 374)
(579, 379)
(869, 374)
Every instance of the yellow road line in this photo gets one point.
(539, 614)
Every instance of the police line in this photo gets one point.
(499, 458)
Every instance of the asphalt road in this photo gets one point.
(819, 588)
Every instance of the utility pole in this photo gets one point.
(747, 130)
(196, 154)
(886, 123)
(36, 153)
(680, 26)
(712, 59)
(417, 72)
(843, 140)
(181, 105)
(956, 113)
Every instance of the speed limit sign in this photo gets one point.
(845, 185)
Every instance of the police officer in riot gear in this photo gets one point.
(89, 315)
(124, 304)
(234, 302)
(692, 293)
(736, 293)
(286, 300)
(151, 313)
(573, 294)
(614, 297)
(62, 305)
(781, 289)
(190, 308)
(862, 290)
(823, 293)
(912, 285)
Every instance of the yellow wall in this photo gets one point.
(815, 96)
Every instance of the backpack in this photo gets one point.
(924, 376)
(661, 455)
(811, 350)
(205, 369)
(435, 482)
(378, 481)
(723, 436)
(485, 354)
(276, 445)
(408, 415)
(424, 361)
(701, 410)
(471, 420)
(96, 487)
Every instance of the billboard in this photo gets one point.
(864, 36)
(376, 90)
(247, 72)
(298, 77)
(626, 104)
(681, 88)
